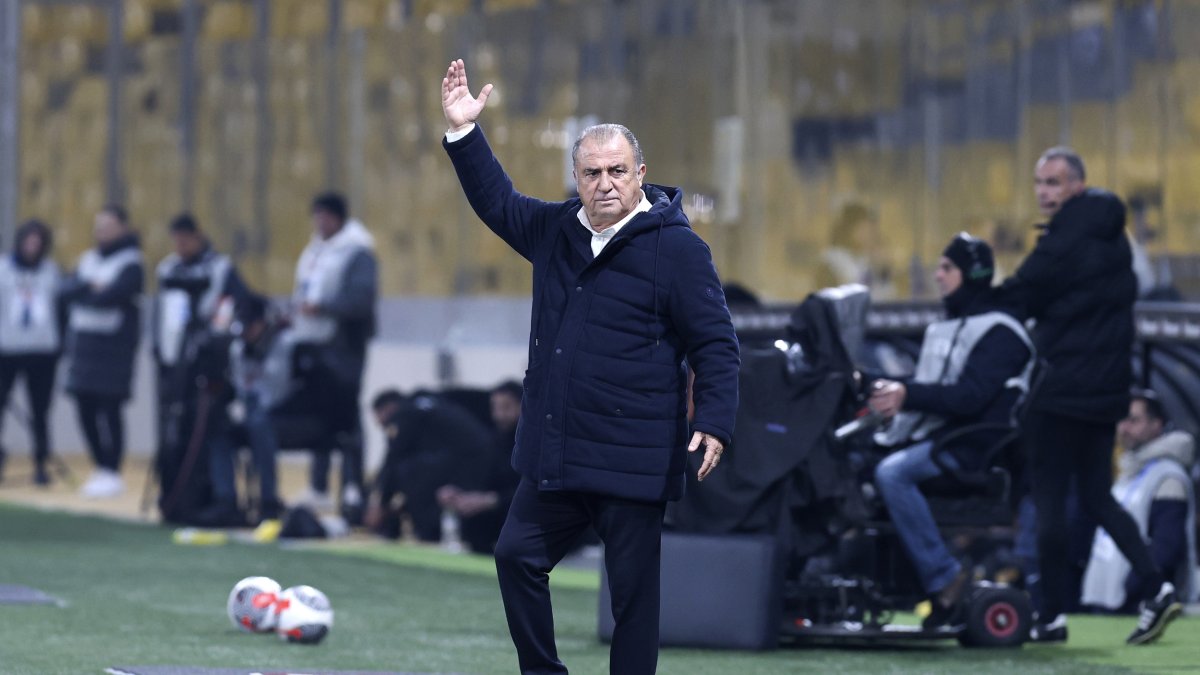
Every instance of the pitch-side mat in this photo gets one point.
(191, 670)
(13, 594)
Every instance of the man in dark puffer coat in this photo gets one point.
(623, 292)
(102, 339)
(1079, 286)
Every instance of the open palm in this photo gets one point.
(458, 105)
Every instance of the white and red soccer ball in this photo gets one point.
(300, 614)
(303, 615)
(251, 605)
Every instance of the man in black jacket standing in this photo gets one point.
(102, 338)
(623, 292)
(1078, 285)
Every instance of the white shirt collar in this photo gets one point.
(600, 239)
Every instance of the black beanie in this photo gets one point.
(974, 257)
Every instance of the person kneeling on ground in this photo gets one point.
(974, 367)
(482, 512)
(431, 442)
(1153, 484)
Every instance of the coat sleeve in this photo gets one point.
(235, 287)
(999, 356)
(355, 299)
(701, 318)
(521, 221)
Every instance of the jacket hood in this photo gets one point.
(970, 301)
(353, 233)
(119, 244)
(1176, 445)
(24, 264)
(666, 203)
(1101, 212)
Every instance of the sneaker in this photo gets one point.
(103, 484)
(41, 477)
(1155, 615)
(1055, 631)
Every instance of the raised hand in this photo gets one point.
(458, 105)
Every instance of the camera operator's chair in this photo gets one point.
(977, 503)
(983, 497)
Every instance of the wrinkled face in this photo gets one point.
(506, 410)
(609, 180)
(187, 244)
(325, 223)
(1138, 428)
(1053, 184)
(106, 228)
(32, 247)
(948, 277)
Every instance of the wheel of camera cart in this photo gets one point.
(996, 616)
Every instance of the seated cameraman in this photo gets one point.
(260, 367)
(973, 368)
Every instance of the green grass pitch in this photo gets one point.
(134, 598)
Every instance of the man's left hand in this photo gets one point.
(712, 452)
(309, 308)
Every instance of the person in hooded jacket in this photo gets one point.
(974, 367)
(1079, 286)
(334, 298)
(1154, 484)
(623, 292)
(30, 333)
(104, 327)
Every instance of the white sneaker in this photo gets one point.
(102, 484)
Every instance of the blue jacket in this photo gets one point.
(605, 404)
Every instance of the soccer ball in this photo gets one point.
(303, 614)
(251, 604)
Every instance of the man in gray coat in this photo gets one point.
(334, 302)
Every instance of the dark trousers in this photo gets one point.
(260, 437)
(38, 370)
(103, 427)
(341, 411)
(540, 529)
(1064, 448)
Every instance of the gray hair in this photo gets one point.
(603, 133)
(1072, 158)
